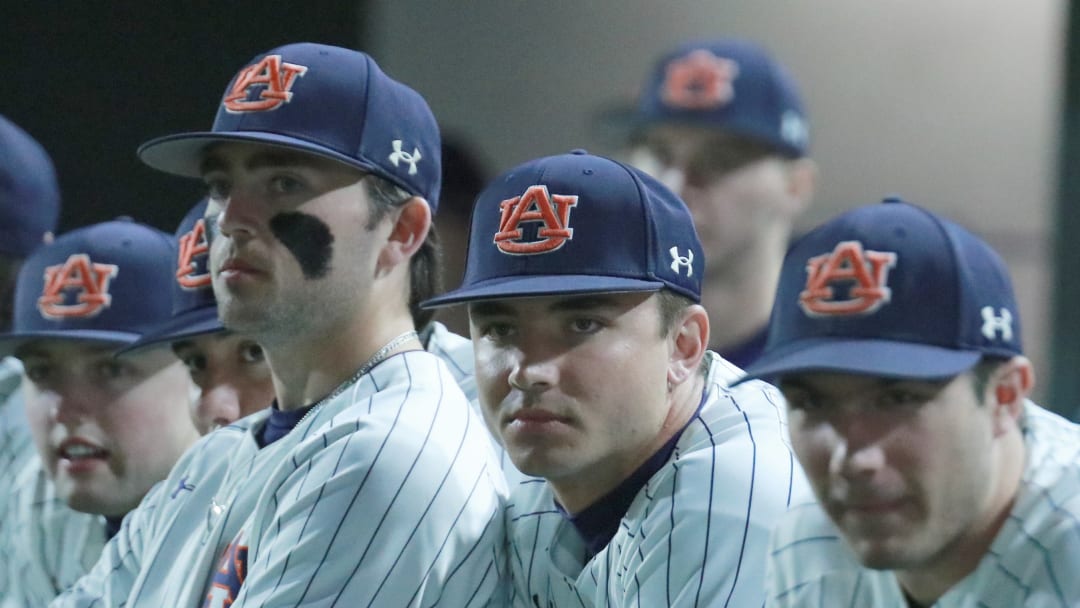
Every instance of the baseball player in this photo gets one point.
(106, 428)
(657, 483)
(895, 338)
(722, 124)
(370, 482)
(29, 210)
(228, 368)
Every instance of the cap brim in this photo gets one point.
(9, 343)
(182, 153)
(193, 323)
(863, 357)
(538, 286)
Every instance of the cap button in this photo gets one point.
(892, 198)
(579, 151)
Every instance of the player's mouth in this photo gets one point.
(80, 456)
(235, 270)
(534, 420)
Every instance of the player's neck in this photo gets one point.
(739, 296)
(305, 371)
(933, 579)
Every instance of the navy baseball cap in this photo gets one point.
(108, 282)
(325, 100)
(29, 193)
(578, 223)
(194, 308)
(890, 290)
(730, 85)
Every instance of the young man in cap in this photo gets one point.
(722, 124)
(106, 428)
(896, 339)
(659, 482)
(229, 369)
(371, 481)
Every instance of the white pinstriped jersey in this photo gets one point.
(457, 352)
(16, 447)
(1033, 562)
(695, 535)
(387, 494)
(50, 545)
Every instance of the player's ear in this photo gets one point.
(412, 221)
(689, 341)
(1009, 386)
(801, 184)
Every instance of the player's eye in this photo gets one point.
(900, 397)
(496, 331)
(585, 325)
(285, 184)
(109, 369)
(37, 372)
(799, 399)
(194, 362)
(250, 352)
(217, 188)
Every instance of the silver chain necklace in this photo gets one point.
(368, 365)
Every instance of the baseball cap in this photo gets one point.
(29, 193)
(726, 84)
(577, 223)
(107, 282)
(325, 100)
(194, 308)
(890, 290)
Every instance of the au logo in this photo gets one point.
(263, 86)
(536, 205)
(87, 280)
(863, 272)
(193, 244)
(699, 81)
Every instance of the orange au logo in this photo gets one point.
(192, 245)
(271, 77)
(536, 205)
(88, 281)
(699, 81)
(864, 272)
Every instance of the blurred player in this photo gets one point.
(723, 126)
(896, 339)
(106, 428)
(229, 369)
(29, 211)
(371, 482)
(660, 483)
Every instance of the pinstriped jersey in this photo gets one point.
(1033, 561)
(50, 544)
(694, 535)
(387, 494)
(16, 448)
(457, 352)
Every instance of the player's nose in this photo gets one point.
(854, 453)
(217, 405)
(240, 213)
(533, 368)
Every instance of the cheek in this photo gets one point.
(492, 371)
(813, 445)
(308, 239)
(37, 406)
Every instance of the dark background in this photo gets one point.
(93, 80)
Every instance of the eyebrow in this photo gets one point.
(490, 308)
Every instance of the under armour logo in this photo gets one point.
(399, 155)
(88, 281)
(182, 486)
(862, 274)
(263, 86)
(536, 205)
(699, 81)
(678, 261)
(992, 324)
(793, 128)
(193, 244)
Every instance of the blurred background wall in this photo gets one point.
(955, 105)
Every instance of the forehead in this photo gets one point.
(65, 349)
(214, 342)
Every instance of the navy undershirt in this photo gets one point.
(746, 352)
(112, 526)
(599, 522)
(279, 424)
